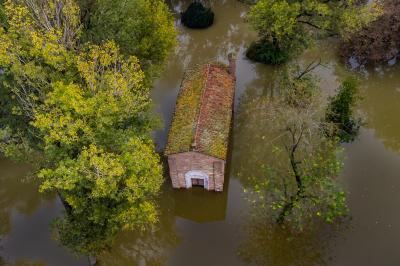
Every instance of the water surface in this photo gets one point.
(207, 228)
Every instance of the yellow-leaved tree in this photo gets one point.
(83, 114)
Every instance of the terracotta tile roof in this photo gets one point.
(203, 112)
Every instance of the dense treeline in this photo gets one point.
(79, 108)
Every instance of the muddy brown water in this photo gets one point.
(202, 228)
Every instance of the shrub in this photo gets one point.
(266, 52)
(340, 111)
(197, 16)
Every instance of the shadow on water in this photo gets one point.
(16, 192)
(149, 247)
(268, 244)
(25, 217)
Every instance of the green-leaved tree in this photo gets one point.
(84, 116)
(143, 28)
(300, 183)
(287, 27)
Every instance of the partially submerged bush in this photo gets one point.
(340, 112)
(266, 52)
(197, 16)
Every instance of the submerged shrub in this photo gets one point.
(266, 52)
(340, 112)
(197, 16)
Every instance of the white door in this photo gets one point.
(195, 174)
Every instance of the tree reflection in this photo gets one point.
(250, 131)
(5, 262)
(380, 106)
(148, 247)
(264, 168)
(269, 244)
(131, 248)
(228, 34)
(16, 192)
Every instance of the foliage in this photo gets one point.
(87, 115)
(288, 26)
(105, 192)
(3, 17)
(143, 28)
(101, 160)
(300, 183)
(197, 16)
(266, 52)
(32, 56)
(377, 42)
(340, 111)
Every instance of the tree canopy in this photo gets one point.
(197, 16)
(143, 28)
(289, 26)
(300, 179)
(83, 114)
(35, 51)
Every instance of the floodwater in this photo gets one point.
(213, 229)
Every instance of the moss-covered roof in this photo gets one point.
(203, 112)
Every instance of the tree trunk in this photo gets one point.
(287, 209)
(67, 207)
(92, 260)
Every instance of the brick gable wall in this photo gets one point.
(180, 164)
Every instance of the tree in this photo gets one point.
(86, 116)
(377, 42)
(340, 112)
(100, 157)
(287, 27)
(300, 182)
(141, 28)
(35, 50)
(197, 16)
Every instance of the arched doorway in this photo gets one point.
(197, 177)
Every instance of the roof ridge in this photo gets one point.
(194, 144)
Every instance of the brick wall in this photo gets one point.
(180, 164)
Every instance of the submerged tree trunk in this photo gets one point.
(67, 207)
(287, 209)
(92, 260)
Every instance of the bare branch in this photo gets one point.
(313, 65)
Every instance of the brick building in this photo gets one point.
(198, 139)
